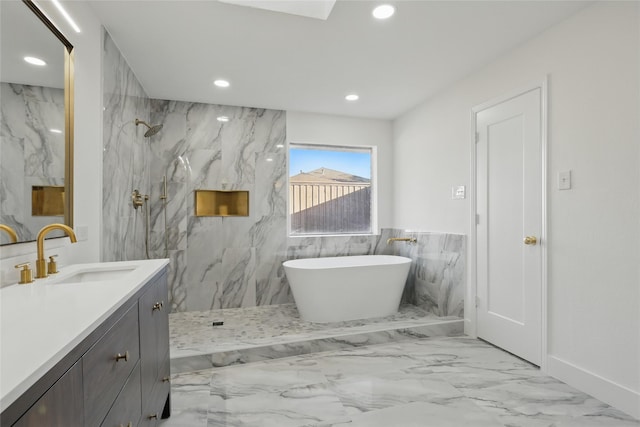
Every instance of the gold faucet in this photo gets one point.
(41, 263)
(401, 239)
(10, 231)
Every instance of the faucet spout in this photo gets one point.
(10, 231)
(41, 263)
(401, 239)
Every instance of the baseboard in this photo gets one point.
(616, 395)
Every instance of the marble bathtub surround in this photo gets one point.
(31, 153)
(443, 382)
(270, 332)
(436, 281)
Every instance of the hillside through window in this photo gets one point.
(330, 189)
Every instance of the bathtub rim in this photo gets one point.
(325, 262)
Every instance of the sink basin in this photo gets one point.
(95, 275)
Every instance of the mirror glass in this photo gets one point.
(34, 177)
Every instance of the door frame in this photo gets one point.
(471, 318)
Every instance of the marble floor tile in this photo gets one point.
(454, 413)
(296, 407)
(390, 389)
(439, 382)
(263, 377)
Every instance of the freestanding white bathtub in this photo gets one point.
(336, 289)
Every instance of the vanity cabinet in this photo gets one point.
(117, 376)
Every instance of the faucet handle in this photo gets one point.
(52, 266)
(25, 273)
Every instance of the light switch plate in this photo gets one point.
(564, 180)
(458, 192)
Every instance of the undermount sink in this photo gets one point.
(98, 274)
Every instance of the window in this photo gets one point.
(330, 189)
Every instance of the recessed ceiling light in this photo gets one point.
(66, 15)
(222, 118)
(34, 61)
(280, 146)
(221, 83)
(352, 97)
(269, 159)
(55, 131)
(384, 11)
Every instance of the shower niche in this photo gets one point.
(221, 203)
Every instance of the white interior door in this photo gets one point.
(509, 224)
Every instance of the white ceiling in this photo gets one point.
(282, 61)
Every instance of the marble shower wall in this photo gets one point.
(437, 278)
(125, 159)
(219, 262)
(31, 153)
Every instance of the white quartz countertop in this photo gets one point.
(43, 321)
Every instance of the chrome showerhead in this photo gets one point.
(152, 129)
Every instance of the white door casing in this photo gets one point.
(510, 180)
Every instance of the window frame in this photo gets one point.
(372, 150)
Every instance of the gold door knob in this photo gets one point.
(157, 306)
(530, 240)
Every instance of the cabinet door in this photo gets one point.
(154, 342)
(61, 405)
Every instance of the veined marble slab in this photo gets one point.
(440, 382)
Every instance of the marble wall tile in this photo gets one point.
(31, 153)
(437, 276)
(126, 158)
(225, 257)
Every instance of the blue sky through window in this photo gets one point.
(306, 160)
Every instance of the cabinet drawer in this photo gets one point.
(126, 409)
(103, 372)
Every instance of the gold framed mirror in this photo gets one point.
(36, 140)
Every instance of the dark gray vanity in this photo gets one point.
(118, 375)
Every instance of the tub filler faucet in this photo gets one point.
(401, 239)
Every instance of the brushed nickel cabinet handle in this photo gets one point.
(158, 306)
(128, 425)
(153, 417)
(124, 356)
(166, 379)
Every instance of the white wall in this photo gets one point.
(88, 151)
(337, 130)
(592, 61)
